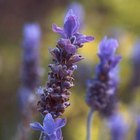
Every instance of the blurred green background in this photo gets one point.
(116, 18)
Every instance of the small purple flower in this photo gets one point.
(51, 128)
(70, 30)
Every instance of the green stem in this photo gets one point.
(89, 124)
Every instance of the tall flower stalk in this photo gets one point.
(102, 88)
(29, 76)
(54, 98)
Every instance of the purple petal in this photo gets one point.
(112, 45)
(36, 126)
(103, 41)
(49, 124)
(79, 10)
(71, 49)
(69, 13)
(84, 39)
(59, 134)
(115, 61)
(66, 44)
(63, 42)
(58, 30)
(59, 123)
(71, 24)
(107, 47)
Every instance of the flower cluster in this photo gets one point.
(101, 89)
(30, 65)
(55, 96)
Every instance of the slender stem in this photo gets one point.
(42, 135)
(89, 123)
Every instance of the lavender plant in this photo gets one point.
(54, 98)
(29, 76)
(101, 89)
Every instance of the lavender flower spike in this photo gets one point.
(104, 85)
(31, 43)
(55, 96)
(30, 77)
(101, 90)
(51, 128)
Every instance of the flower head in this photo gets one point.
(70, 30)
(51, 128)
(55, 96)
(101, 90)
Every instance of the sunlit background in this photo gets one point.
(114, 18)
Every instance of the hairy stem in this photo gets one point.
(89, 124)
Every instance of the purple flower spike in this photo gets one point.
(101, 90)
(31, 44)
(61, 76)
(70, 30)
(51, 128)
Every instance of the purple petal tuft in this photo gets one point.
(84, 39)
(58, 30)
